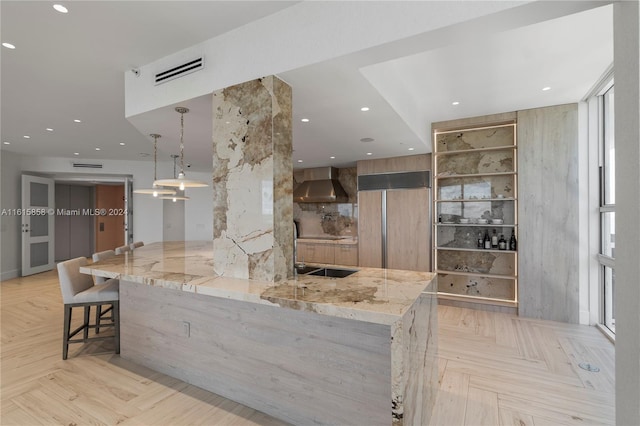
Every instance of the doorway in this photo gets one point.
(110, 223)
(74, 225)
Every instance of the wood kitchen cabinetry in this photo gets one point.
(346, 254)
(330, 253)
(475, 193)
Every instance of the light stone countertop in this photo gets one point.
(374, 295)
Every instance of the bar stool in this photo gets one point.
(100, 314)
(97, 257)
(122, 249)
(78, 290)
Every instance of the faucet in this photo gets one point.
(295, 249)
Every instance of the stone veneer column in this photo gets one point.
(253, 180)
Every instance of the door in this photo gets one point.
(38, 214)
(110, 228)
(408, 230)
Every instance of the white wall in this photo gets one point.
(10, 252)
(196, 223)
(147, 211)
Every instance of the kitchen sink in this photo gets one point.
(334, 273)
(303, 270)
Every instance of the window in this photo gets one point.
(608, 211)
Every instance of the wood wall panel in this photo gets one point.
(410, 163)
(548, 213)
(111, 234)
(408, 230)
(370, 229)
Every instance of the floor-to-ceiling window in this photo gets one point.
(607, 210)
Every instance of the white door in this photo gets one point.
(38, 214)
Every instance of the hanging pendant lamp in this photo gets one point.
(181, 181)
(175, 197)
(156, 190)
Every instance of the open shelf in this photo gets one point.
(475, 176)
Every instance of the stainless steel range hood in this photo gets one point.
(320, 186)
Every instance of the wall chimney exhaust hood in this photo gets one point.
(320, 186)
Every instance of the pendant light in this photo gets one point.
(156, 190)
(175, 197)
(181, 181)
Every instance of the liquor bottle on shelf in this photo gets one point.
(480, 240)
(487, 240)
(494, 240)
(513, 244)
(502, 243)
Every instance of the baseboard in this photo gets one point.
(9, 275)
(478, 306)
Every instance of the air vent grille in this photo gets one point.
(87, 165)
(180, 70)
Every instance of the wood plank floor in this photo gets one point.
(495, 369)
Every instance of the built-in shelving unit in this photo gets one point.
(475, 184)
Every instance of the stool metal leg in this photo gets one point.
(66, 330)
(85, 334)
(116, 319)
(98, 314)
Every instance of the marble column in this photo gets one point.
(252, 180)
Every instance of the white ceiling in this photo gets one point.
(71, 66)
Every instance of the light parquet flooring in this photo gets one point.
(500, 369)
(495, 369)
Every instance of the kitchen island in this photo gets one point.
(308, 350)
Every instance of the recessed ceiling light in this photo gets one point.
(77, 121)
(49, 129)
(411, 149)
(332, 157)
(121, 143)
(7, 143)
(369, 153)
(27, 137)
(367, 140)
(305, 120)
(364, 109)
(60, 8)
(299, 161)
(544, 89)
(8, 45)
(76, 153)
(97, 149)
(455, 103)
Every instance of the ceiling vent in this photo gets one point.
(180, 70)
(87, 165)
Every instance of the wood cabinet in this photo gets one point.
(475, 194)
(330, 253)
(346, 254)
